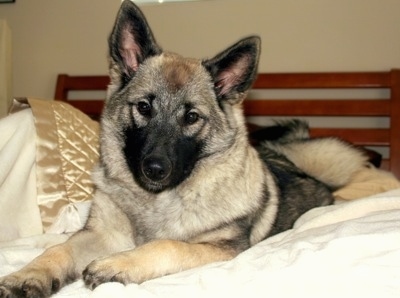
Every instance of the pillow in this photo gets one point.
(67, 148)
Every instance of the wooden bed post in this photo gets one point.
(395, 122)
(61, 92)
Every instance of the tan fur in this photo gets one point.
(178, 72)
(333, 161)
(270, 211)
(172, 256)
(48, 272)
(173, 194)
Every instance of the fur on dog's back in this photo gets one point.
(305, 171)
(330, 160)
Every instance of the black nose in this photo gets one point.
(156, 168)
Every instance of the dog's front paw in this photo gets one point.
(112, 269)
(28, 284)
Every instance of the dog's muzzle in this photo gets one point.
(156, 168)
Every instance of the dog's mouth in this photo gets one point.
(152, 186)
(174, 178)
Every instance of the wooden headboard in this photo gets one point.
(370, 136)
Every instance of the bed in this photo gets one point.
(349, 249)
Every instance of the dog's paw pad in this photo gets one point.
(92, 279)
(99, 272)
(27, 284)
(33, 288)
(26, 290)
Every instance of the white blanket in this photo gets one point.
(346, 250)
(18, 177)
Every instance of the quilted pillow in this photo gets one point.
(67, 149)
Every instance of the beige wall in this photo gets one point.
(5, 68)
(54, 36)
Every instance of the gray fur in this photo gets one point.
(178, 184)
(330, 160)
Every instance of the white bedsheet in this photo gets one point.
(346, 250)
(18, 177)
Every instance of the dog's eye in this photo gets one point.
(191, 118)
(144, 108)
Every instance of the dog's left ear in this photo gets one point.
(235, 69)
(130, 43)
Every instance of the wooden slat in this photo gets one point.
(87, 83)
(91, 107)
(66, 83)
(317, 107)
(323, 80)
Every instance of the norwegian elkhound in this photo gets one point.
(178, 184)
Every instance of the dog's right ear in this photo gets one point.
(130, 43)
(235, 69)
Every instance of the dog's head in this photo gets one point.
(168, 112)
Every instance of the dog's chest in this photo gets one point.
(187, 215)
(170, 216)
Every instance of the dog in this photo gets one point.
(178, 184)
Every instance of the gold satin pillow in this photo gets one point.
(67, 149)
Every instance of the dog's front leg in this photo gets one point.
(43, 276)
(56, 267)
(65, 262)
(152, 260)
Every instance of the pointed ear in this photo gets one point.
(235, 69)
(130, 43)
